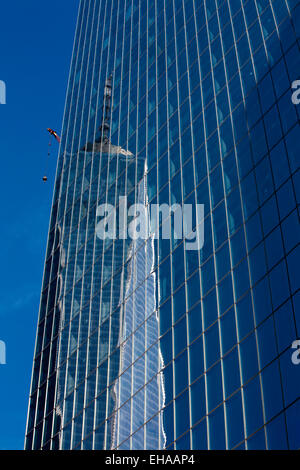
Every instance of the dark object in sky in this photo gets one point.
(56, 136)
(52, 132)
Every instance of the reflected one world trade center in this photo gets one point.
(143, 343)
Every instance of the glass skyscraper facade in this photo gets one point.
(142, 343)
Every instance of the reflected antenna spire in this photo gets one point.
(105, 126)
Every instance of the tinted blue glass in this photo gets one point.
(144, 343)
(253, 406)
(216, 429)
(245, 319)
(235, 420)
(290, 378)
(198, 406)
(292, 415)
(231, 375)
(274, 430)
(271, 390)
(228, 331)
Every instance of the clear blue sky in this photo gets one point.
(36, 39)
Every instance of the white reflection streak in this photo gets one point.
(136, 311)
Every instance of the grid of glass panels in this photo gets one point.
(131, 336)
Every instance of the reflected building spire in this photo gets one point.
(103, 143)
(105, 126)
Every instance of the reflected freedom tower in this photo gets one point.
(142, 343)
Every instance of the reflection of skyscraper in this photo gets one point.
(140, 359)
(145, 344)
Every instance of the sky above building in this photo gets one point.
(36, 40)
